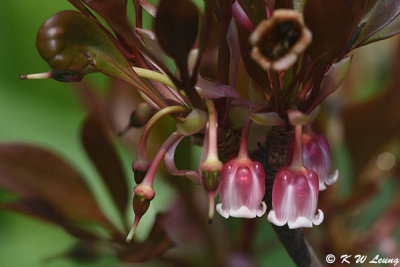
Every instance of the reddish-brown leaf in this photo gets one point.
(255, 10)
(45, 211)
(332, 23)
(176, 26)
(98, 145)
(112, 11)
(253, 69)
(36, 173)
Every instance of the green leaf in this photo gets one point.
(389, 30)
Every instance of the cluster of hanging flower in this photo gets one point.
(69, 41)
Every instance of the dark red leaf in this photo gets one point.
(176, 26)
(112, 11)
(156, 244)
(255, 10)
(253, 69)
(288, 4)
(380, 15)
(33, 172)
(205, 35)
(81, 7)
(99, 147)
(332, 23)
(44, 211)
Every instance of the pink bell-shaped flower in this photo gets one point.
(295, 199)
(242, 185)
(242, 189)
(316, 156)
(295, 192)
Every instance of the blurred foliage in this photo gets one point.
(49, 114)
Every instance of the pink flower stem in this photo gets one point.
(297, 161)
(142, 155)
(212, 131)
(243, 150)
(149, 178)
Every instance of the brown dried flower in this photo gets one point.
(278, 41)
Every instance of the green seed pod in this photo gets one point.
(58, 39)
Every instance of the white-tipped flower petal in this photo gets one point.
(295, 199)
(242, 189)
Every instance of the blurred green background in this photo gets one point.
(47, 113)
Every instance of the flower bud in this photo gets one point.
(242, 189)
(141, 203)
(141, 200)
(141, 115)
(139, 168)
(295, 199)
(211, 178)
(211, 175)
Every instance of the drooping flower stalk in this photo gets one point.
(144, 192)
(295, 192)
(141, 164)
(212, 166)
(242, 184)
(243, 149)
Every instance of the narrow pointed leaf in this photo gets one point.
(33, 172)
(381, 15)
(255, 10)
(99, 147)
(149, 7)
(333, 78)
(329, 19)
(44, 211)
(176, 26)
(114, 12)
(253, 68)
(389, 30)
